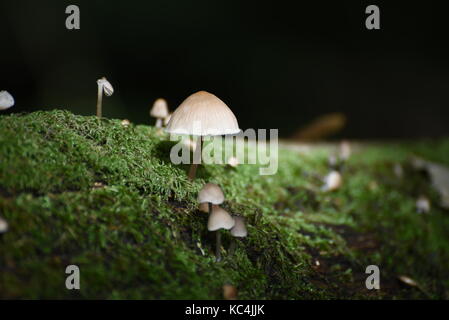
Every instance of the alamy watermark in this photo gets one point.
(249, 147)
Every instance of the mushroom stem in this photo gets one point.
(99, 100)
(218, 245)
(159, 123)
(196, 158)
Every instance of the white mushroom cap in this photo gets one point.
(423, 204)
(239, 229)
(3, 225)
(211, 193)
(203, 114)
(106, 85)
(233, 162)
(220, 219)
(6, 100)
(159, 109)
(332, 181)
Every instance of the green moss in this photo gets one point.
(138, 233)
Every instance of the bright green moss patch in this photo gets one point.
(90, 192)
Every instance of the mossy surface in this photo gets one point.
(105, 197)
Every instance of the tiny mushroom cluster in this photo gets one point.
(219, 218)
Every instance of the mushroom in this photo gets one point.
(345, 150)
(422, 204)
(202, 114)
(3, 225)
(204, 207)
(6, 100)
(219, 219)
(211, 194)
(332, 181)
(238, 231)
(106, 87)
(159, 111)
(233, 162)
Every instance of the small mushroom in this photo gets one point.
(229, 292)
(422, 204)
(106, 87)
(202, 114)
(159, 111)
(3, 225)
(125, 122)
(211, 194)
(238, 231)
(6, 100)
(219, 219)
(233, 162)
(332, 181)
(345, 150)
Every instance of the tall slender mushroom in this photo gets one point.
(106, 87)
(211, 194)
(159, 111)
(6, 100)
(202, 114)
(219, 219)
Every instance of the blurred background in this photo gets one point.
(279, 64)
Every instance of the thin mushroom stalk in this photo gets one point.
(106, 87)
(99, 100)
(218, 246)
(196, 158)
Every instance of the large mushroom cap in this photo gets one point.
(159, 109)
(6, 100)
(239, 229)
(203, 114)
(211, 193)
(220, 219)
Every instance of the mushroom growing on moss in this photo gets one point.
(106, 87)
(219, 219)
(238, 231)
(202, 114)
(332, 181)
(211, 194)
(6, 100)
(159, 111)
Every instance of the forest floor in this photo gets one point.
(106, 197)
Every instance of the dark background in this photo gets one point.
(276, 64)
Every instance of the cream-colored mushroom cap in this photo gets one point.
(203, 114)
(159, 109)
(220, 219)
(239, 229)
(6, 100)
(211, 193)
